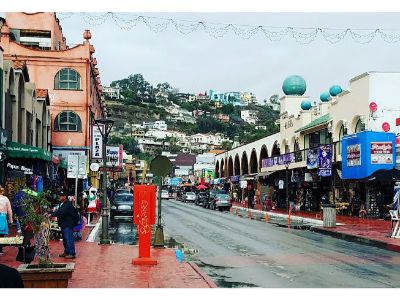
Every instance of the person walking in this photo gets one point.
(65, 219)
(380, 201)
(5, 211)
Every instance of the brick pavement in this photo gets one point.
(110, 266)
(374, 232)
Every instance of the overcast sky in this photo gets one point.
(197, 62)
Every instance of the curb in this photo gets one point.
(357, 239)
(206, 278)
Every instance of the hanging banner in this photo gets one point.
(325, 160)
(312, 158)
(96, 146)
(382, 153)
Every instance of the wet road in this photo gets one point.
(123, 231)
(238, 252)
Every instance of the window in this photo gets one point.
(67, 121)
(67, 79)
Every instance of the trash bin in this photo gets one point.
(329, 215)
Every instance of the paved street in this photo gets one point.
(238, 252)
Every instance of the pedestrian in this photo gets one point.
(10, 278)
(65, 218)
(380, 201)
(5, 211)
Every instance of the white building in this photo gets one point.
(111, 92)
(160, 125)
(249, 116)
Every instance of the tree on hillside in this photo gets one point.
(226, 145)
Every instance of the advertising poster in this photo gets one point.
(312, 158)
(353, 155)
(382, 153)
(325, 160)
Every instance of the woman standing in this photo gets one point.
(5, 210)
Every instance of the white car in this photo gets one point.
(164, 194)
(189, 197)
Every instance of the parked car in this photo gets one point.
(211, 200)
(189, 197)
(164, 194)
(122, 205)
(201, 198)
(123, 191)
(222, 201)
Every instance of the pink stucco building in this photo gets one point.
(69, 74)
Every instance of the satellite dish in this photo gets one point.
(161, 166)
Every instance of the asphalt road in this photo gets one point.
(238, 252)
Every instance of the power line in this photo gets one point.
(302, 35)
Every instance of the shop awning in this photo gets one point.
(317, 122)
(382, 176)
(265, 174)
(25, 151)
(64, 164)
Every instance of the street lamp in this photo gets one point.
(107, 124)
(287, 164)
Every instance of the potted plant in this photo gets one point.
(44, 274)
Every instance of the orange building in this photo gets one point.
(68, 73)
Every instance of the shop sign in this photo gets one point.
(353, 155)
(63, 154)
(381, 153)
(287, 158)
(325, 160)
(96, 146)
(76, 166)
(27, 171)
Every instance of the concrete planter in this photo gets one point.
(56, 276)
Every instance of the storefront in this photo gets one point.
(368, 162)
(26, 166)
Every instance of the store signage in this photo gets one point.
(96, 146)
(353, 155)
(382, 153)
(27, 171)
(278, 160)
(288, 124)
(325, 160)
(94, 167)
(367, 152)
(76, 166)
(63, 154)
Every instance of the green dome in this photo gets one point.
(305, 104)
(294, 86)
(335, 90)
(324, 97)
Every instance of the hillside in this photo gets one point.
(142, 102)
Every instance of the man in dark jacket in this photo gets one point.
(10, 278)
(65, 219)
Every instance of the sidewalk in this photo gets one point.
(110, 266)
(371, 232)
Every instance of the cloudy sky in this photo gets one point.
(197, 62)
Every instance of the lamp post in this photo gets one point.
(113, 161)
(107, 124)
(287, 164)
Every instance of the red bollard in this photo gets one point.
(144, 216)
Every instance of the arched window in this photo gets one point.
(67, 121)
(360, 126)
(67, 79)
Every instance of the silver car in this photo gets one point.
(222, 201)
(189, 197)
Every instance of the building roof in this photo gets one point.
(217, 151)
(319, 121)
